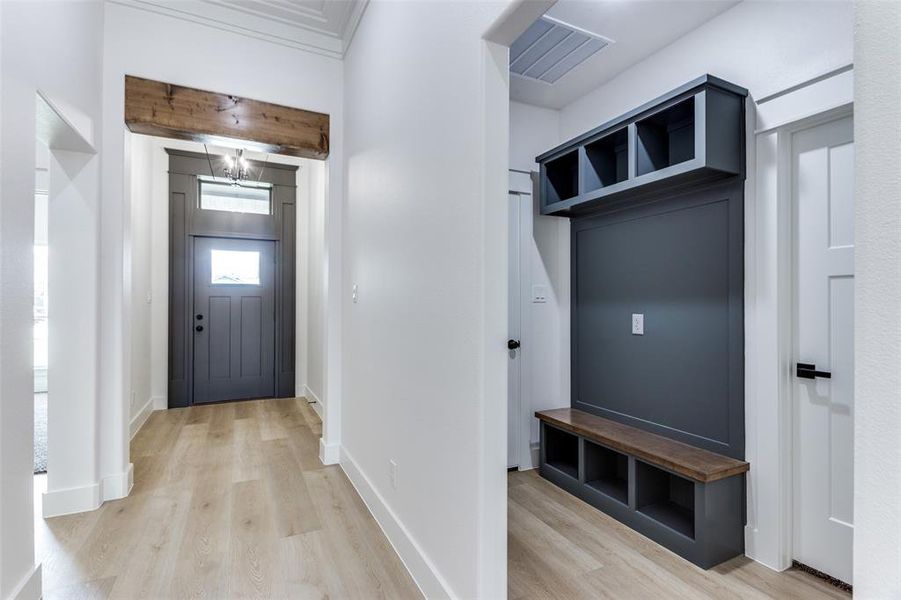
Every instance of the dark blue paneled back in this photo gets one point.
(678, 260)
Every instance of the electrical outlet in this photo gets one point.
(392, 469)
(353, 293)
(637, 324)
(539, 294)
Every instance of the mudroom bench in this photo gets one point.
(687, 499)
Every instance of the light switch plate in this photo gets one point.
(539, 294)
(637, 324)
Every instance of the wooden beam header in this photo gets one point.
(166, 110)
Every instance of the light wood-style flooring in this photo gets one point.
(560, 547)
(229, 501)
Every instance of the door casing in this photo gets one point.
(187, 221)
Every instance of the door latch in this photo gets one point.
(808, 371)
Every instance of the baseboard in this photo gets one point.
(159, 402)
(316, 402)
(534, 451)
(113, 487)
(30, 586)
(423, 571)
(139, 419)
(329, 454)
(68, 501)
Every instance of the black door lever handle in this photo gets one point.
(808, 371)
(512, 344)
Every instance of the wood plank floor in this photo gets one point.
(560, 547)
(229, 501)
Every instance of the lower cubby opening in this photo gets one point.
(665, 498)
(607, 472)
(561, 451)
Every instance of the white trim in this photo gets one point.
(353, 20)
(30, 586)
(160, 402)
(319, 42)
(535, 454)
(817, 96)
(113, 487)
(768, 309)
(414, 558)
(57, 503)
(139, 419)
(316, 403)
(329, 454)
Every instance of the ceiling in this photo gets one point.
(323, 26)
(638, 28)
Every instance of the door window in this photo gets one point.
(241, 198)
(234, 267)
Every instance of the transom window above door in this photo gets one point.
(234, 267)
(240, 198)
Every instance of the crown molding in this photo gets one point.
(265, 28)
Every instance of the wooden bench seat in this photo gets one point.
(691, 462)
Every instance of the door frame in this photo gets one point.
(187, 224)
(769, 306)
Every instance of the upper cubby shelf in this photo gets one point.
(694, 133)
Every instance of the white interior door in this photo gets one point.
(823, 186)
(514, 318)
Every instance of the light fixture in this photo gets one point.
(236, 168)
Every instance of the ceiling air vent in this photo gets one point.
(549, 49)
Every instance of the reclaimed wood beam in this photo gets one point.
(166, 110)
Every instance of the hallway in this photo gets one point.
(229, 500)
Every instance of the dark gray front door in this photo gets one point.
(234, 319)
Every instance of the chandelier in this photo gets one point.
(235, 167)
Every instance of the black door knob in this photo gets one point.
(199, 317)
(198, 328)
(512, 344)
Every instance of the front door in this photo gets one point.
(233, 324)
(823, 188)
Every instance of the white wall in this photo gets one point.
(877, 336)
(28, 64)
(765, 47)
(192, 55)
(534, 130)
(415, 380)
